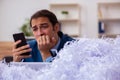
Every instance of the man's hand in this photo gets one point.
(17, 57)
(45, 43)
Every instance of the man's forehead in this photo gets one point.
(40, 21)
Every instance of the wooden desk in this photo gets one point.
(5, 49)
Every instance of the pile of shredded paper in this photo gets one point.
(82, 59)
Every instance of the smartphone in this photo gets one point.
(20, 36)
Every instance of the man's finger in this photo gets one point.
(16, 43)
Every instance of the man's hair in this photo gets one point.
(45, 13)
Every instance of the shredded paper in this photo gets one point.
(82, 59)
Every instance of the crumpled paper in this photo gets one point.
(82, 59)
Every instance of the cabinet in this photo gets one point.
(109, 19)
(69, 17)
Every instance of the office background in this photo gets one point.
(14, 12)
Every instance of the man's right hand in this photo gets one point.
(17, 57)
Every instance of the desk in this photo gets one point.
(5, 49)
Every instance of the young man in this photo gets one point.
(45, 28)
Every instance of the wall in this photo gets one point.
(14, 12)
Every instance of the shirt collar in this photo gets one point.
(56, 46)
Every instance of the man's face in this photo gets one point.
(42, 26)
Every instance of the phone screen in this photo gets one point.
(20, 36)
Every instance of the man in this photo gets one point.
(45, 28)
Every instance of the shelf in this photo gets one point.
(109, 11)
(64, 4)
(110, 20)
(108, 35)
(108, 16)
(72, 9)
(70, 21)
(109, 4)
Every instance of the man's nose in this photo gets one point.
(40, 32)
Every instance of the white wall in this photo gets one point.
(14, 12)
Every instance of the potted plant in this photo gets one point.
(25, 28)
(64, 13)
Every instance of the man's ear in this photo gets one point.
(57, 27)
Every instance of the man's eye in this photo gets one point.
(44, 26)
(34, 29)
